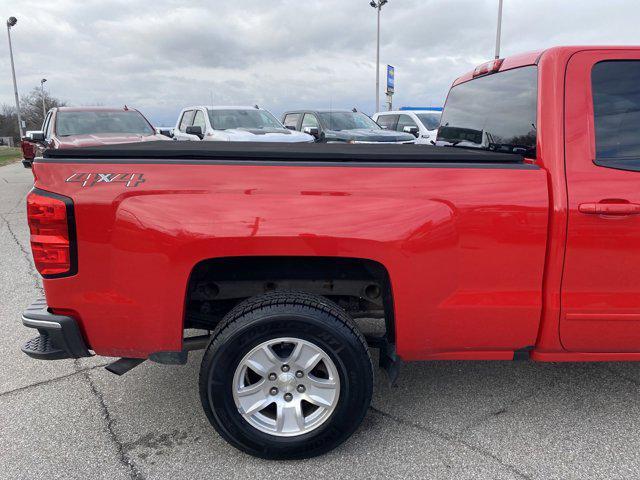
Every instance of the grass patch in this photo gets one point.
(9, 155)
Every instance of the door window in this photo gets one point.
(199, 121)
(387, 121)
(187, 117)
(291, 120)
(405, 121)
(616, 108)
(309, 120)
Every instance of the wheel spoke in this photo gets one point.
(304, 357)
(289, 418)
(253, 398)
(262, 361)
(321, 392)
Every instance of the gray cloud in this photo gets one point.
(160, 56)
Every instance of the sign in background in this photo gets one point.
(390, 78)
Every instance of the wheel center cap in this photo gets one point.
(287, 382)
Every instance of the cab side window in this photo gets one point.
(291, 120)
(616, 107)
(186, 119)
(387, 121)
(309, 120)
(199, 121)
(405, 121)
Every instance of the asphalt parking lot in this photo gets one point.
(499, 420)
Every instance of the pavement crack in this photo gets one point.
(26, 255)
(123, 457)
(49, 380)
(453, 439)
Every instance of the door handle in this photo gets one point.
(617, 208)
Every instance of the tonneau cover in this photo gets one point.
(324, 152)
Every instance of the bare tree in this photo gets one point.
(31, 111)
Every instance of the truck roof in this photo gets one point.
(259, 152)
(95, 109)
(532, 58)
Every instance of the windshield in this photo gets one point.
(85, 123)
(247, 119)
(429, 120)
(494, 112)
(347, 121)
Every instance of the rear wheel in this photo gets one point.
(286, 375)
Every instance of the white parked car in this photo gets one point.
(234, 124)
(422, 123)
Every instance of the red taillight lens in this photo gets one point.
(51, 241)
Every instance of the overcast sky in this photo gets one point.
(162, 55)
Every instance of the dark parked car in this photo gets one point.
(331, 126)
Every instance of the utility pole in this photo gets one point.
(44, 108)
(10, 23)
(498, 31)
(378, 6)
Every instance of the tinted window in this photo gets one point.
(388, 121)
(616, 108)
(187, 117)
(347, 121)
(429, 120)
(83, 123)
(309, 120)
(247, 119)
(198, 120)
(495, 112)
(405, 121)
(291, 120)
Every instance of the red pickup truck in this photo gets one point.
(519, 240)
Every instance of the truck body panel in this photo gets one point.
(464, 247)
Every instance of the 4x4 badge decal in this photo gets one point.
(91, 179)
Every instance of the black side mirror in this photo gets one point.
(195, 130)
(290, 127)
(166, 132)
(313, 131)
(413, 130)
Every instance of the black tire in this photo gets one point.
(286, 314)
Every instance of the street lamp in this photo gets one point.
(10, 23)
(499, 29)
(44, 108)
(378, 6)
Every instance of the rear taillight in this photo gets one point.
(52, 230)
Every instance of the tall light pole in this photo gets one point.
(498, 31)
(10, 23)
(44, 108)
(378, 6)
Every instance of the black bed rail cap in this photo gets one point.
(326, 152)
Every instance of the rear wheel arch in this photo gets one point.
(216, 285)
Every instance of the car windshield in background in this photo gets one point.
(347, 121)
(494, 112)
(244, 119)
(86, 123)
(429, 120)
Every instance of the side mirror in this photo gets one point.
(384, 127)
(313, 131)
(35, 136)
(413, 130)
(167, 132)
(195, 130)
(290, 127)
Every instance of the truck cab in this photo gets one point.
(422, 123)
